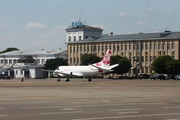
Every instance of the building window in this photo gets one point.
(151, 58)
(125, 47)
(1, 61)
(98, 48)
(102, 48)
(84, 48)
(77, 49)
(70, 60)
(69, 39)
(164, 47)
(81, 48)
(134, 48)
(77, 60)
(70, 49)
(130, 47)
(142, 46)
(121, 47)
(130, 59)
(118, 47)
(16, 72)
(86, 37)
(146, 69)
(151, 47)
(74, 49)
(146, 46)
(155, 46)
(146, 59)
(159, 46)
(14, 61)
(168, 46)
(6, 61)
(10, 61)
(106, 48)
(142, 58)
(43, 61)
(79, 37)
(114, 48)
(74, 38)
(172, 45)
(88, 48)
(74, 61)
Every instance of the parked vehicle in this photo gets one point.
(177, 77)
(156, 76)
(161, 77)
(144, 76)
(4, 76)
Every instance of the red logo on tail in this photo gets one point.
(107, 57)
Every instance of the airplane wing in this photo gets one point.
(64, 73)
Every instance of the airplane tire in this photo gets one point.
(89, 80)
(67, 80)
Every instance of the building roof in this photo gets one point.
(133, 37)
(83, 27)
(33, 52)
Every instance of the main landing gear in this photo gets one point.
(58, 79)
(89, 79)
(67, 80)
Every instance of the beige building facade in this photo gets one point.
(141, 49)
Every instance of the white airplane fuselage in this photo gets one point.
(79, 70)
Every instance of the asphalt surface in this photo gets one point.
(101, 99)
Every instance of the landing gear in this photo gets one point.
(67, 80)
(58, 79)
(89, 79)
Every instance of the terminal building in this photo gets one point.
(28, 64)
(141, 49)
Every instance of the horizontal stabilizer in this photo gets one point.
(113, 66)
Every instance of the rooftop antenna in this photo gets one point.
(79, 12)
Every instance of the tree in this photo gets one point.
(160, 64)
(173, 66)
(124, 64)
(54, 63)
(9, 49)
(89, 59)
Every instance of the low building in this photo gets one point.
(28, 64)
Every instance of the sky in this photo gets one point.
(41, 24)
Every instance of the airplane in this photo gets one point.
(93, 69)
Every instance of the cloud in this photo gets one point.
(35, 25)
(148, 9)
(5, 25)
(59, 30)
(121, 14)
(141, 22)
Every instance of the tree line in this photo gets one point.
(9, 49)
(161, 65)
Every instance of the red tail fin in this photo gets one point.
(106, 59)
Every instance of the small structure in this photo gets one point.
(27, 64)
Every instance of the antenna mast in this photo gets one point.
(79, 12)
